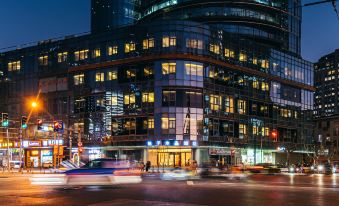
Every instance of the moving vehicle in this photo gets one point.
(103, 172)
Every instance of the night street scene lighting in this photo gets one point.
(169, 102)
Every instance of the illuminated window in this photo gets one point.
(194, 69)
(150, 123)
(241, 106)
(255, 130)
(148, 43)
(194, 43)
(265, 86)
(112, 75)
(129, 99)
(242, 57)
(265, 131)
(285, 113)
(242, 130)
(264, 109)
(130, 73)
(169, 41)
(100, 77)
(215, 48)
(167, 123)
(114, 101)
(148, 71)
(168, 68)
(229, 104)
(81, 55)
(265, 64)
(14, 66)
(96, 53)
(255, 84)
(43, 60)
(130, 125)
(79, 79)
(148, 97)
(255, 60)
(112, 50)
(215, 102)
(129, 47)
(229, 53)
(62, 57)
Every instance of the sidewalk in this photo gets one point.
(29, 172)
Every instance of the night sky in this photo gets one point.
(25, 21)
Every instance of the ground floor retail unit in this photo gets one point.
(180, 156)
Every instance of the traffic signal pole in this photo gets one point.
(8, 163)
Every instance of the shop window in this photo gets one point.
(241, 106)
(168, 68)
(81, 55)
(129, 99)
(43, 60)
(79, 79)
(14, 66)
(229, 53)
(100, 77)
(229, 104)
(129, 47)
(169, 41)
(148, 97)
(111, 50)
(112, 75)
(148, 43)
(194, 43)
(215, 48)
(194, 69)
(62, 57)
(215, 102)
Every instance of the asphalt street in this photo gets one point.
(253, 190)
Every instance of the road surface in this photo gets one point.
(255, 190)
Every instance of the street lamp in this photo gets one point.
(34, 104)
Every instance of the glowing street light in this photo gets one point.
(34, 104)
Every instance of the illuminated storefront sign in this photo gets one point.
(171, 143)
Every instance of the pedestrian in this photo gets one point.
(148, 165)
(142, 166)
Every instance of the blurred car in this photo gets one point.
(103, 172)
(176, 174)
(14, 164)
(265, 168)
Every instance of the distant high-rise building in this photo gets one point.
(326, 108)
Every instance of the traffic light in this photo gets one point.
(80, 149)
(274, 135)
(24, 122)
(39, 124)
(58, 126)
(5, 121)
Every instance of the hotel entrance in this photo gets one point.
(170, 157)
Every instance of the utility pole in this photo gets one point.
(20, 151)
(54, 153)
(70, 145)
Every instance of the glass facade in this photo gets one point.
(164, 83)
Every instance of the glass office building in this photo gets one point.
(187, 80)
